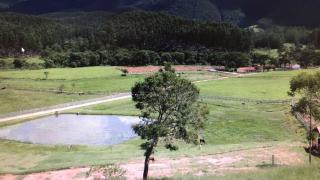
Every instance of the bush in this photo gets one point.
(141, 58)
(166, 57)
(124, 72)
(178, 57)
(2, 63)
(19, 63)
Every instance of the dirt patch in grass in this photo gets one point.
(216, 164)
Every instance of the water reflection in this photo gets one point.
(73, 129)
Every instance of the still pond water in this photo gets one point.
(73, 130)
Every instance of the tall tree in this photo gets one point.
(169, 110)
(307, 86)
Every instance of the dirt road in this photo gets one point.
(68, 107)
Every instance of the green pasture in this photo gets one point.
(15, 101)
(230, 126)
(28, 89)
(262, 86)
(270, 52)
(33, 62)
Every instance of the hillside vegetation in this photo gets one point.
(286, 12)
(142, 30)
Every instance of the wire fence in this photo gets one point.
(302, 119)
(246, 100)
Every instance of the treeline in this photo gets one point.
(125, 57)
(306, 56)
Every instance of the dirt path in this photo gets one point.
(216, 164)
(68, 107)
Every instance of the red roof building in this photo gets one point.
(246, 69)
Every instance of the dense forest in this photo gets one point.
(77, 39)
(130, 31)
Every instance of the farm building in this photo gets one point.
(292, 66)
(246, 69)
(296, 67)
(218, 68)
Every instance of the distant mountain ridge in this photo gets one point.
(284, 12)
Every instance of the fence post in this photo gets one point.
(272, 160)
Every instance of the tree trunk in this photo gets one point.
(310, 134)
(146, 162)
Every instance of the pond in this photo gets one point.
(73, 130)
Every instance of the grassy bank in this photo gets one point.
(305, 172)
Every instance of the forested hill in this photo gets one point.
(191, 9)
(244, 12)
(166, 33)
(18, 30)
(142, 30)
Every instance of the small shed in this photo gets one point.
(296, 67)
(246, 69)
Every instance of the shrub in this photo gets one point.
(124, 72)
(19, 63)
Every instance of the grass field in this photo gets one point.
(244, 123)
(28, 89)
(104, 79)
(232, 125)
(264, 86)
(270, 52)
(33, 62)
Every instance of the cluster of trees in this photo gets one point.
(306, 56)
(134, 57)
(273, 37)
